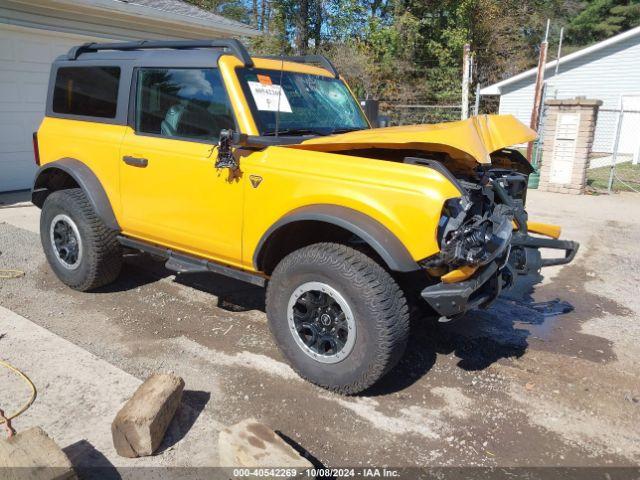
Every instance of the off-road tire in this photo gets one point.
(378, 305)
(102, 254)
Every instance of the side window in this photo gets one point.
(87, 91)
(182, 103)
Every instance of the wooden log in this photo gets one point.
(141, 423)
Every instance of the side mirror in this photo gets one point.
(228, 140)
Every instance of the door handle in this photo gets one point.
(135, 161)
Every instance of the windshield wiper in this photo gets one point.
(345, 130)
(295, 131)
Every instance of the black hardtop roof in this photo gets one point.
(178, 51)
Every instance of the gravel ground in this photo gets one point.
(525, 383)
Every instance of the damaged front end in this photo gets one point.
(484, 236)
(485, 242)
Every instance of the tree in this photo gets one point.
(410, 51)
(234, 9)
(602, 19)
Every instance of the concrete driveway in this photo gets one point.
(547, 376)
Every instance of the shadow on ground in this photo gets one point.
(478, 339)
(301, 451)
(233, 295)
(89, 463)
(8, 199)
(191, 406)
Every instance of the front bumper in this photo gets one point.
(520, 257)
(527, 242)
(452, 299)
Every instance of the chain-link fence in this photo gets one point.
(614, 164)
(394, 113)
(416, 112)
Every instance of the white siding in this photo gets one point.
(25, 60)
(603, 75)
(518, 101)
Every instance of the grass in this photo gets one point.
(598, 178)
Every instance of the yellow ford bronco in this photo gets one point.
(266, 170)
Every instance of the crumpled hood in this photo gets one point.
(474, 138)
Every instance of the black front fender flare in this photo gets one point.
(375, 234)
(86, 180)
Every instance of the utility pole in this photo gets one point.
(616, 145)
(465, 81)
(553, 90)
(559, 52)
(476, 107)
(535, 112)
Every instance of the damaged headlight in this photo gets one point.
(453, 214)
(470, 237)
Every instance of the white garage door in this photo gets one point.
(25, 59)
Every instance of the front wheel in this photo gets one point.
(339, 318)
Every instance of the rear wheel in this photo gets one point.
(82, 251)
(338, 317)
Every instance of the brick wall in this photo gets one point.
(569, 130)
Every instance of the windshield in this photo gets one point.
(309, 104)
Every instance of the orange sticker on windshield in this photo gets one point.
(265, 79)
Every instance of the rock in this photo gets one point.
(33, 455)
(253, 444)
(141, 423)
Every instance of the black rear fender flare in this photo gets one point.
(52, 177)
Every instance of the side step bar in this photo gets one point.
(185, 263)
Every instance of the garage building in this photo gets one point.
(33, 33)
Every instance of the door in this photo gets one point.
(564, 148)
(171, 192)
